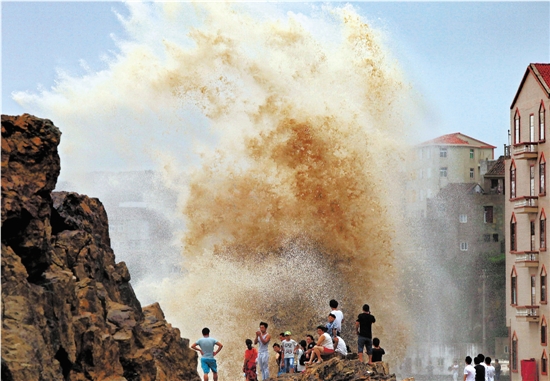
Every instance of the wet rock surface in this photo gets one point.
(337, 369)
(68, 309)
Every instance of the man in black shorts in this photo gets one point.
(363, 326)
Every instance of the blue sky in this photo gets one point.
(464, 59)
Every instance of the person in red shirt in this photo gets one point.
(249, 366)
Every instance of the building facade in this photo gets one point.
(527, 202)
(451, 158)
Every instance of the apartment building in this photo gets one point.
(527, 202)
(451, 158)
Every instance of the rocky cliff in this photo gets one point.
(68, 309)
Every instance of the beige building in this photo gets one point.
(448, 159)
(527, 202)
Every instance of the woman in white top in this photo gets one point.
(324, 345)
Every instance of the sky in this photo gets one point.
(464, 60)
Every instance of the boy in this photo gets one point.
(331, 327)
(206, 349)
(289, 349)
(469, 370)
(377, 352)
(339, 317)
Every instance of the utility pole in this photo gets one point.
(484, 333)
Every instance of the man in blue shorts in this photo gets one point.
(206, 348)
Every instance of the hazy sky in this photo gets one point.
(465, 59)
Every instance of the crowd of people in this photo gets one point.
(292, 356)
(482, 370)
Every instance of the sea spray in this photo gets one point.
(289, 137)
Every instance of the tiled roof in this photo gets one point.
(456, 139)
(544, 70)
(541, 71)
(498, 169)
(454, 189)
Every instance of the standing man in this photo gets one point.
(363, 326)
(339, 318)
(480, 368)
(263, 338)
(497, 370)
(454, 369)
(469, 370)
(206, 349)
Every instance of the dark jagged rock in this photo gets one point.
(68, 310)
(338, 369)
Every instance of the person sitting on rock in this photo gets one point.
(340, 346)
(377, 352)
(324, 346)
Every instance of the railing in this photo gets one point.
(526, 201)
(531, 257)
(527, 311)
(530, 147)
(506, 151)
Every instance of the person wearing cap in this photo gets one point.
(289, 347)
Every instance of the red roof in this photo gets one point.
(544, 70)
(541, 71)
(456, 139)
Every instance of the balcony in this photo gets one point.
(528, 150)
(528, 313)
(526, 204)
(527, 259)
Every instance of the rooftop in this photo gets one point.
(457, 139)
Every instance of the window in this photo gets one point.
(543, 288)
(471, 173)
(542, 230)
(514, 354)
(418, 361)
(532, 224)
(542, 175)
(488, 214)
(514, 287)
(531, 128)
(463, 246)
(486, 238)
(533, 290)
(495, 237)
(513, 241)
(443, 172)
(542, 132)
(532, 180)
(443, 152)
(471, 153)
(543, 331)
(513, 180)
(463, 218)
(440, 361)
(544, 363)
(517, 139)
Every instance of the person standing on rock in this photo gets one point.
(363, 326)
(206, 348)
(250, 357)
(262, 339)
(339, 318)
(497, 370)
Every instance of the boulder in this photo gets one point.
(68, 309)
